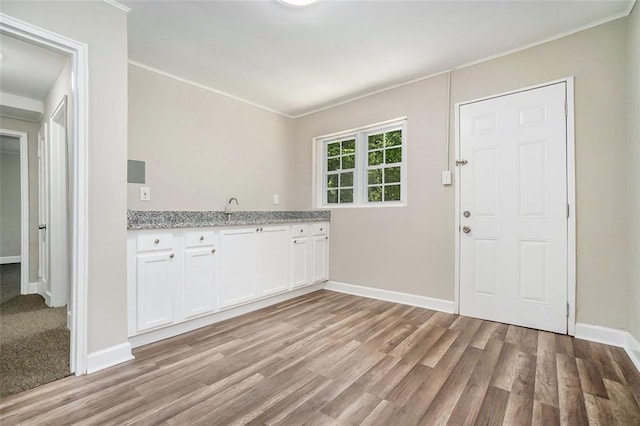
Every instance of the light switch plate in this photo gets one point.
(276, 199)
(145, 193)
(446, 177)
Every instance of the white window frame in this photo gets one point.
(360, 192)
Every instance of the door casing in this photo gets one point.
(25, 287)
(571, 197)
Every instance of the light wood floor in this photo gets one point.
(330, 358)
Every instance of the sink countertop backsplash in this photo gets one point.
(156, 219)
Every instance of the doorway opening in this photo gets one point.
(68, 119)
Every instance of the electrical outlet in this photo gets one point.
(276, 199)
(145, 193)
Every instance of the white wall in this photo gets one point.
(202, 148)
(31, 129)
(9, 204)
(634, 171)
(104, 29)
(417, 241)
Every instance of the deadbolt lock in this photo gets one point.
(466, 213)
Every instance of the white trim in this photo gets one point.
(24, 208)
(571, 194)
(571, 200)
(472, 63)
(79, 209)
(10, 259)
(118, 5)
(190, 325)
(392, 296)
(610, 336)
(205, 87)
(33, 288)
(109, 357)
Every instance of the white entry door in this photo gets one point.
(513, 208)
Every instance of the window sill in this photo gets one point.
(362, 206)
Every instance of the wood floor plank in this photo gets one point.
(545, 415)
(470, 401)
(493, 407)
(335, 359)
(572, 407)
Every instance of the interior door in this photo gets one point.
(513, 208)
(43, 209)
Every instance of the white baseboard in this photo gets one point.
(611, 336)
(10, 259)
(108, 357)
(33, 288)
(190, 325)
(393, 296)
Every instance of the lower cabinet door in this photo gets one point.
(238, 263)
(320, 258)
(155, 292)
(301, 260)
(274, 259)
(200, 280)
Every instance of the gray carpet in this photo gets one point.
(9, 281)
(34, 344)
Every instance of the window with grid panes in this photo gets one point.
(363, 168)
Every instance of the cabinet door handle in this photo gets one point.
(257, 229)
(326, 238)
(302, 230)
(202, 238)
(321, 229)
(213, 251)
(156, 241)
(295, 241)
(171, 256)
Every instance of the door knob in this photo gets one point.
(466, 229)
(42, 226)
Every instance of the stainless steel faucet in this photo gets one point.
(227, 208)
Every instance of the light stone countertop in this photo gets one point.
(155, 219)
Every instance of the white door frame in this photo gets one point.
(79, 206)
(571, 198)
(24, 207)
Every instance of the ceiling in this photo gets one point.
(296, 60)
(26, 69)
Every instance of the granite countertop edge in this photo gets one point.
(141, 220)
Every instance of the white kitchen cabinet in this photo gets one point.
(238, 263)
(302, 258)
(274, 259)
(200, 280)
(200, 273)
(320, 242)
(156, 276)
(193, 275)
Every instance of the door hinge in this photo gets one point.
(461, 162)
(567, 310)
(566, 108)
(568, 209)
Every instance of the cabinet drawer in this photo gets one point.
(300, 230)
(320, 228)
(200, 238)
(155, 241)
